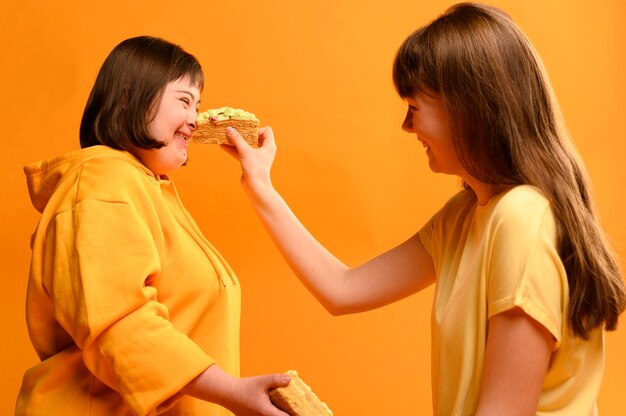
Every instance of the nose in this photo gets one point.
(193, 120)
(407, 124)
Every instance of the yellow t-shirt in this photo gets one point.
(489, 259)
(127, 300)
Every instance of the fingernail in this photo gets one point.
(229, 129)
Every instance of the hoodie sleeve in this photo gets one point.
(105, 259)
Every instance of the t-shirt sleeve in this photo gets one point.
(525, 269)
(106, 258)
(433, 233)
(426, 235)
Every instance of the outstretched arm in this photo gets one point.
(398, 273)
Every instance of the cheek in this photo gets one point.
(436, 131)
(152, 128)
(424, 127)
(162, 126)
(155, 131)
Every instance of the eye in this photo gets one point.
(185, 100)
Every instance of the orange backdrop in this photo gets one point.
(319, 73)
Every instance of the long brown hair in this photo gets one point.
(508, 130)
(130, 83)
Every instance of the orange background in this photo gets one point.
(319, 73)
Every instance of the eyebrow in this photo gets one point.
(188, 93)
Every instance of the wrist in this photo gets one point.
(213, 385)
(260, 192)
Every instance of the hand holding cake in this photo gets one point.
(298, 399)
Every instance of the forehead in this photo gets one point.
(425, 96)
(183, 84)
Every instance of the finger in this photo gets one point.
(266, 130)
(275, 411)
(237, 140)
(266, 137)
(278, 412)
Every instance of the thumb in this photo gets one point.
(278, 380)
(237, 140)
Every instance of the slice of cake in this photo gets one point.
(298, 399)
(212, 126)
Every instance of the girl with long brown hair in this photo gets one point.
(526, 282)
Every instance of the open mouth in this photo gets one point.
(181, 136)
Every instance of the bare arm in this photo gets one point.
(516, 360)
(242, 396)
(391, 276)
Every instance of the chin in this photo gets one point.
(433, 167)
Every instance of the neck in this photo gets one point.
(485, 191)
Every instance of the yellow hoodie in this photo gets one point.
(127, 301)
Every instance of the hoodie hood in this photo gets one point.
(44, 177)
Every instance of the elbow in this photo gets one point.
(338, 299)
(334, 311)
(338, 308)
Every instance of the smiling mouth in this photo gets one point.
(183, 136)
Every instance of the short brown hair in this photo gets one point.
(130, 83)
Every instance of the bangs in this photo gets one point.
(187, 66)
(414, 68)
(198, 79)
